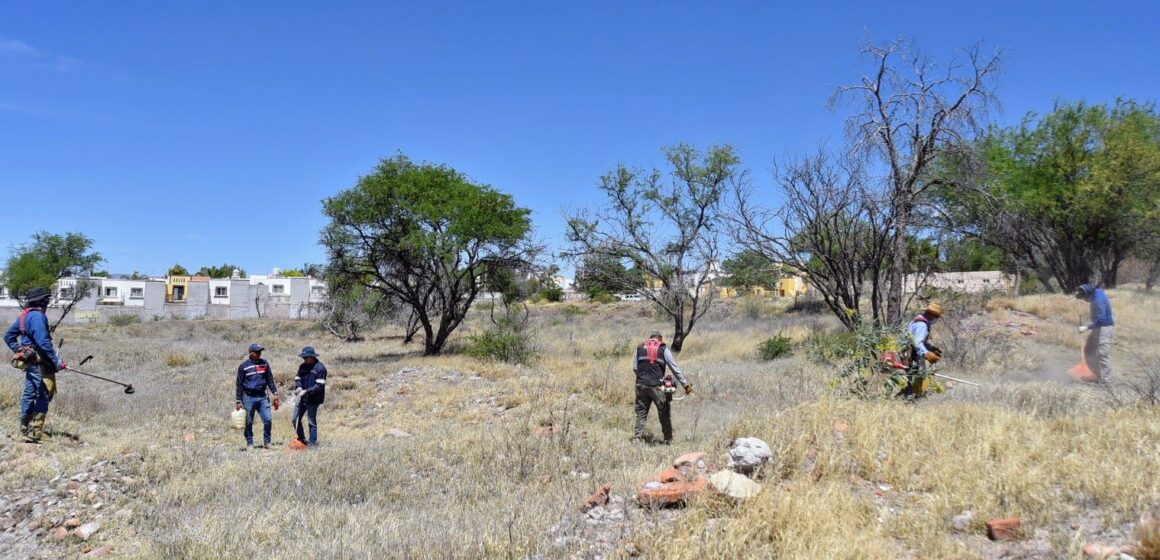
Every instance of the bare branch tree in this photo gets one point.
(668, 231)
(908, 111)
(831, 228)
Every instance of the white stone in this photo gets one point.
(396, 432)
(747, 454)
(85, 531)
(734, 485)
(962, 521)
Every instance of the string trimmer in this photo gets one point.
(129, 390)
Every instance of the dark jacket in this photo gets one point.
(312, 381)
(254, 377)
(36, 334)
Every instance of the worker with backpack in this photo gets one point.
(922, 350)
(654, 386)
(30, 339)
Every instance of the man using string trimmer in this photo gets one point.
(653, 386)
(922, 350)
(31, 341)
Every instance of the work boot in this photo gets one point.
(35, 428)
(24, 424)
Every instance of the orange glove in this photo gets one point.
(689, 389)
(933, 356)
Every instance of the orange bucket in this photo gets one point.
(297, 445)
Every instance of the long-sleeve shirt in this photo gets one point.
(312, 380)
(650, 375)
(254, 377)
(919, 331)
(36, 333)
(1101, 310)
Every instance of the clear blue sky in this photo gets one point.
(209, 132)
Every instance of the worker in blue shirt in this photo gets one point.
(39, 361)
(311, 381)
(1097, 350)
(255, 376)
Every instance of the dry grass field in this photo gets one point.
(478, 473)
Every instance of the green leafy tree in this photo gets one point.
(313, 270)
(177, 270)
(47, 259)
(601, 273)
(968, 254)
(424, 236)
(223, 271)
(748, 269)
(292, 273)
(1072, 194)
(666, 228)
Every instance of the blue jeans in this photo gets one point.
(263, 405)
(37, 394)
(310, 412)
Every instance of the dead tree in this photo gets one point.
(908, 111)
(831, 228)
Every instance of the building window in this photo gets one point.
(277, 289)
(221, 291)
(136, 293)
(110, 291)
(318, 291)
(4, 293)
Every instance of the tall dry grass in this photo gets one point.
(481, 476)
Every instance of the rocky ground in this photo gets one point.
(67, 514)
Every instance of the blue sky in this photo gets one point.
(208, 132)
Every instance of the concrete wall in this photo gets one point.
(244, 301)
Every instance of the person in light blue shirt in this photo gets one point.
(922, 351)
(1097, 350)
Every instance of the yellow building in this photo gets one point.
(176, 289)
(792, 286)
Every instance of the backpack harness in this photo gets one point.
(26, 355)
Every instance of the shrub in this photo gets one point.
(178, 360)
(618, 350)
(505, 345)
(124, 320)
(772, 348)
(573, 310)
(808, 306)
(603, 297)
(754, 308)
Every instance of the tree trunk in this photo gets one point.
(679, 333)
(898, 263)
(1153, 275)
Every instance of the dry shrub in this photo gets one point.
(78, 403)
(1147, 537)
(178, 360)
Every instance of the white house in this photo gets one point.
(129, 293)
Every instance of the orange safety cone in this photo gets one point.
(1082, 372)
(297, 445)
